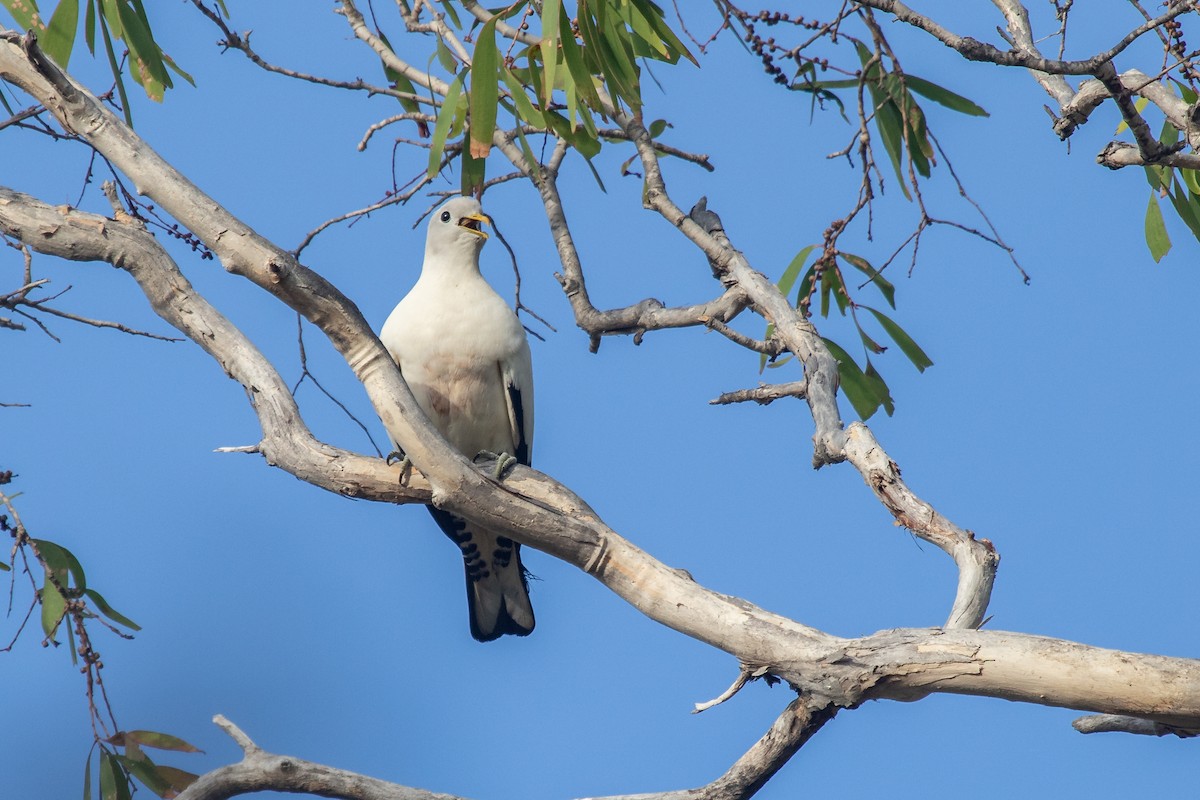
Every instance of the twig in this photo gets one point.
(764, 394)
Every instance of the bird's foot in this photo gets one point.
(397, 457)
(504, 461)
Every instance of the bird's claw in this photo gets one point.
(397, 456)
(504, 461)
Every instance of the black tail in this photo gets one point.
(497, 590)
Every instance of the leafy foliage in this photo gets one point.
(576, 72)
(825, 282)
(64, 597)
(124, 21)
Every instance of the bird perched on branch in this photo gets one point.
(463, 352)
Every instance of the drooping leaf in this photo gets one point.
(147, 66)
(441, 128)
(944, 96)
(63, 563)
(551, 10)
(581, 78)
(524, 107)
(25, 13)
(886, 288)
(891, 131)
(831, 286)
(1186, 207)
(1156, 230)
(793, 270)
(159, 741)
(111, 612)
(862, 393)
(905, 342)
(59, 38)
(868, 342)
(54, 606)
(473, 172)
(87, 777)
(108, 776)
(644, 31)
(146, 771)
(112, 61)
(485, 68)
(880, 387)
(178, 779)
(89, 29)
(452, 13)
(654, 16)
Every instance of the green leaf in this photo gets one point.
(1191, 179)
(644, 32)
(25, 14)
(654, 15)
(159, 741)
(1185, 207)
(111, 612)
(63, 563)
(909, 347)
(451, 13)
(89, 29)
(621, 69)
(108, 776)
(551, 11)
(87, 777)
(114, 785)
(880, 387)
(831, 286)
(891, 130)
(147, 67)
(171, 65)
(112, 61)
(869, 343)
(441, 128)
(1140, 105)
(54, 607)
(573, 56)
(473, 172)
(793, 270)
(59, 38)
(178, 779)
(1156, 231)
(485, 66)
(861, 392)
(883, 284)
(145, 771)
(524, 108)
(446, 58)
(5, 567)
(595, 174)
(943, 96)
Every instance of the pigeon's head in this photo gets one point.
(457, 227)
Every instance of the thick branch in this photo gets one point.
(976, 559)
(287, 441)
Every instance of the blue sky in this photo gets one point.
(1056, 422)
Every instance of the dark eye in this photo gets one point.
(445, 216)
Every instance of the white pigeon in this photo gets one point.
(463, 352)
